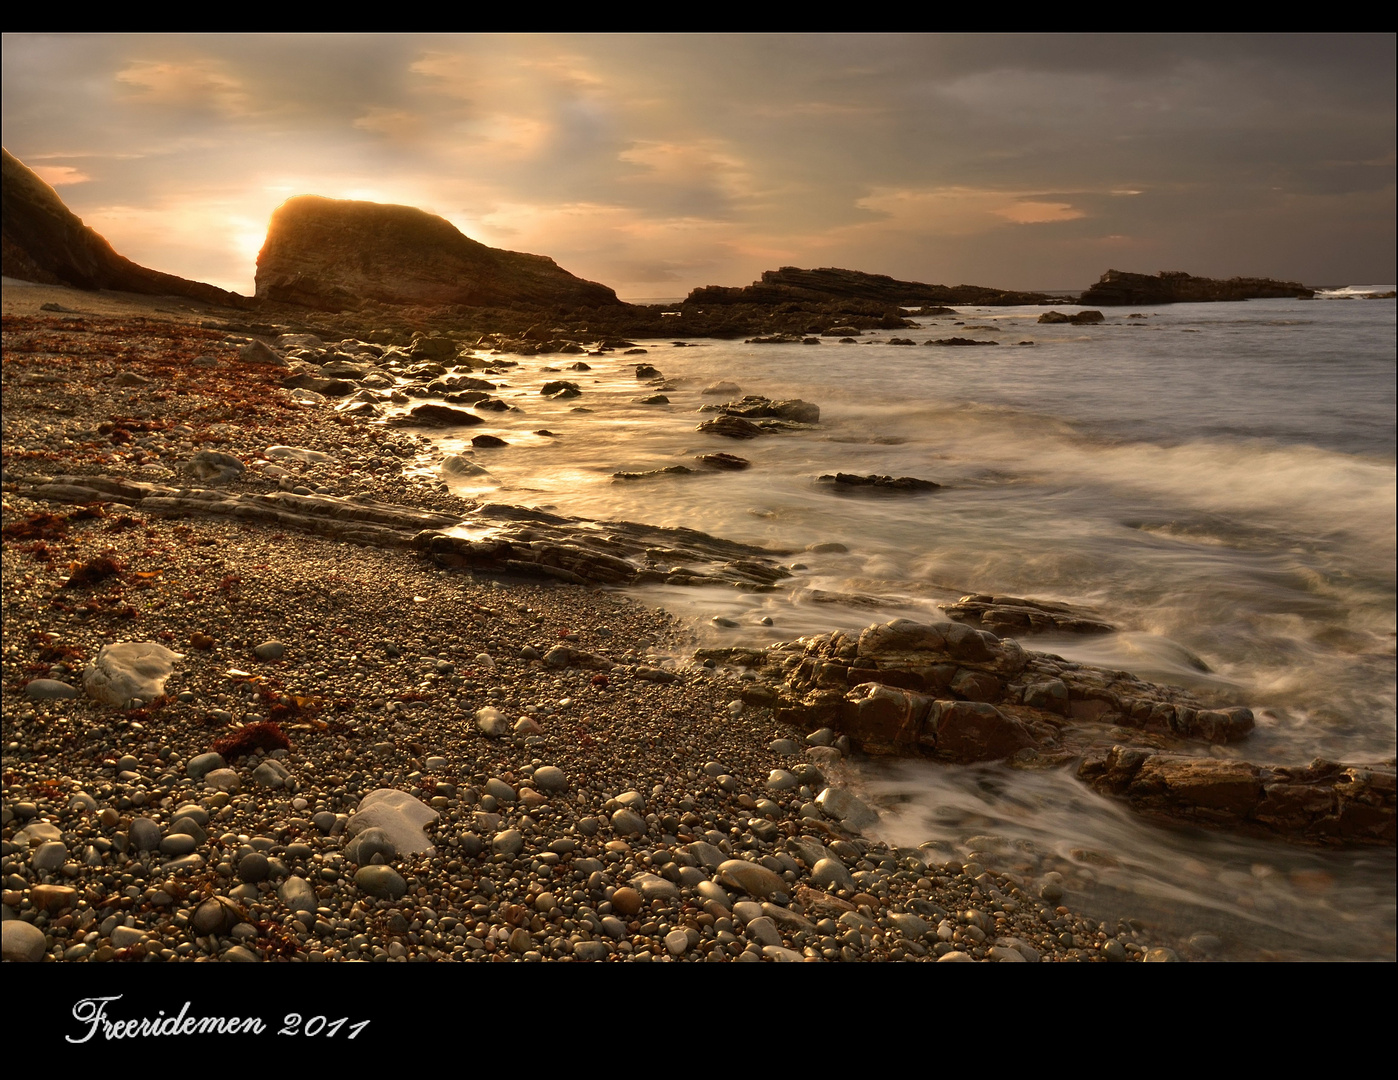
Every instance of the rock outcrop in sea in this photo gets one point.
(334, 254)
(1118, 289)
(831, 285)
(46, 242)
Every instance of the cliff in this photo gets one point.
(44, 241)
(335, 254)
(1118, 288)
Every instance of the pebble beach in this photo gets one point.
(536, 810)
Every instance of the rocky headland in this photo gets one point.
(337, 254)
(46, 242)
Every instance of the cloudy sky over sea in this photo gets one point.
(656, 164)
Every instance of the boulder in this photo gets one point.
(401, 817)
(128, 671)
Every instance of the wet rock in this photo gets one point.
(434, 415)
(1325, 802)
(729, 462)
(895, 484)
(1016, 615)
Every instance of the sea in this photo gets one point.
(1216, 480)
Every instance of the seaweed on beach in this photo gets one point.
(263, 735)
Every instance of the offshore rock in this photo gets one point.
(1117, 288)
(335, 254)
(1324, 802)
(791, 284)
(877, 484)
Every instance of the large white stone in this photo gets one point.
(129, 670)
(399, 815)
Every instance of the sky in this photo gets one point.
(659, 163)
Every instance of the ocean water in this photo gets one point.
(1218, 480)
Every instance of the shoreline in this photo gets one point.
(665, 772)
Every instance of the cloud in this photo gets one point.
(201, 84)
(58, 175)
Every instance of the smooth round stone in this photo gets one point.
(712, 890)
(270, 650)
(381, 881)
(1161, 955)
(190, 826)
(145, 834)
(747, 910)
(626, 901)
(200, 767)
(626, 822)
(49, 857)
(653, 887)
(1115, 952)
(296, 893)
(49, 690)
(214, 916)
(633, 800)
(253, 867)
(53, 898)
(781, 780)
(1002, 954)
(21, 942)
(369, 843)
(178, 844)
(191, 812)
(831, 872)
(763, 930)
(780, 954)
(784, 747)
(545, 902)
(824, 755)
(508, 842)
(590, 951)
(123, 937)
(677, 942)
(323, 820)
(223, 780)
(191, 861)
(435, 764)
(550, 778)
(239, 955)
(909, 925)
(499, 790)
(956, 956)
(753, 879)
